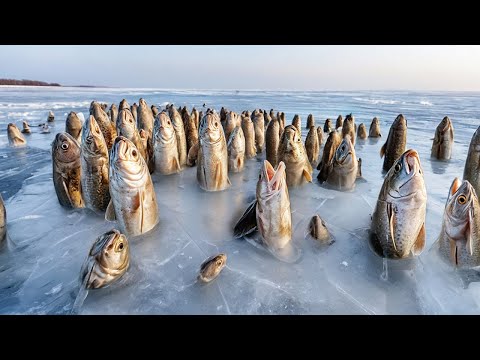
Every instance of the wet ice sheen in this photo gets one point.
(39, 268)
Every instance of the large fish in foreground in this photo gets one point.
(344, 167)
(270, 213)
(166, 150)
(396, 141)
(212, 161)
(133, 201)
(67, 170)
(15, 137)
(459, 239)
(292, 152)
(3, 221)
(94, 167)
(398, 221)
(443, 140)
(107, 260)
(471, 171)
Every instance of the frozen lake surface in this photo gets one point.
(39, 267)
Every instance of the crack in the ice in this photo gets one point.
(355, 301)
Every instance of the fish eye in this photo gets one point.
(398, 167)
(134, 152)
(64, 146)
(168, 122)
(216, 124)
(219, 262)
(343, 148)
(259, 176)
(462, 199)
(120, 246)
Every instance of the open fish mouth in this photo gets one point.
(342, 160)
(411, 162)
(275, 179)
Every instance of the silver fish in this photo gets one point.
(292, 152)
(127, 127)
(133, 201)
(396, 141)
(344, 167)
(443, 140)
(104, 122)
(145, 122)
(471, 171)
(94, 167)
(398, 221)
(73, 126)
(107, 260)
(236, 150)
(212, 267)
(249, 133)
(312, 146)
(166, 150)
(374, 128)
(180, 134)
(270, 213)
(459, 238)
(212, 161)
(3, 221)
(259, 127)
(15, 137)
(67, 171)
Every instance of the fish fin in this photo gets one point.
(218, 176)
(319, 166)
(359, 168)
(453, 252)
(105, 174)
(66, 192)
(392, 220)
(192, 155)
(136, 201)
(176, 164)
(382, 150)
(469, 234)
(248, 221)
(375, 244)
(307, 173)
(110, 212)
(419, 244)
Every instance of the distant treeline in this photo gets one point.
(26, 82)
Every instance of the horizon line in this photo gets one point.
(230, 89)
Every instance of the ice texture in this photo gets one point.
(39, 266)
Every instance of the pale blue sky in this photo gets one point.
(249, 67)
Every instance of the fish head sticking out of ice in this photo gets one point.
(107, 261)
(459, 237)
(212, 267)
(398, 221)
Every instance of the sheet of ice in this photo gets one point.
(39, 268)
